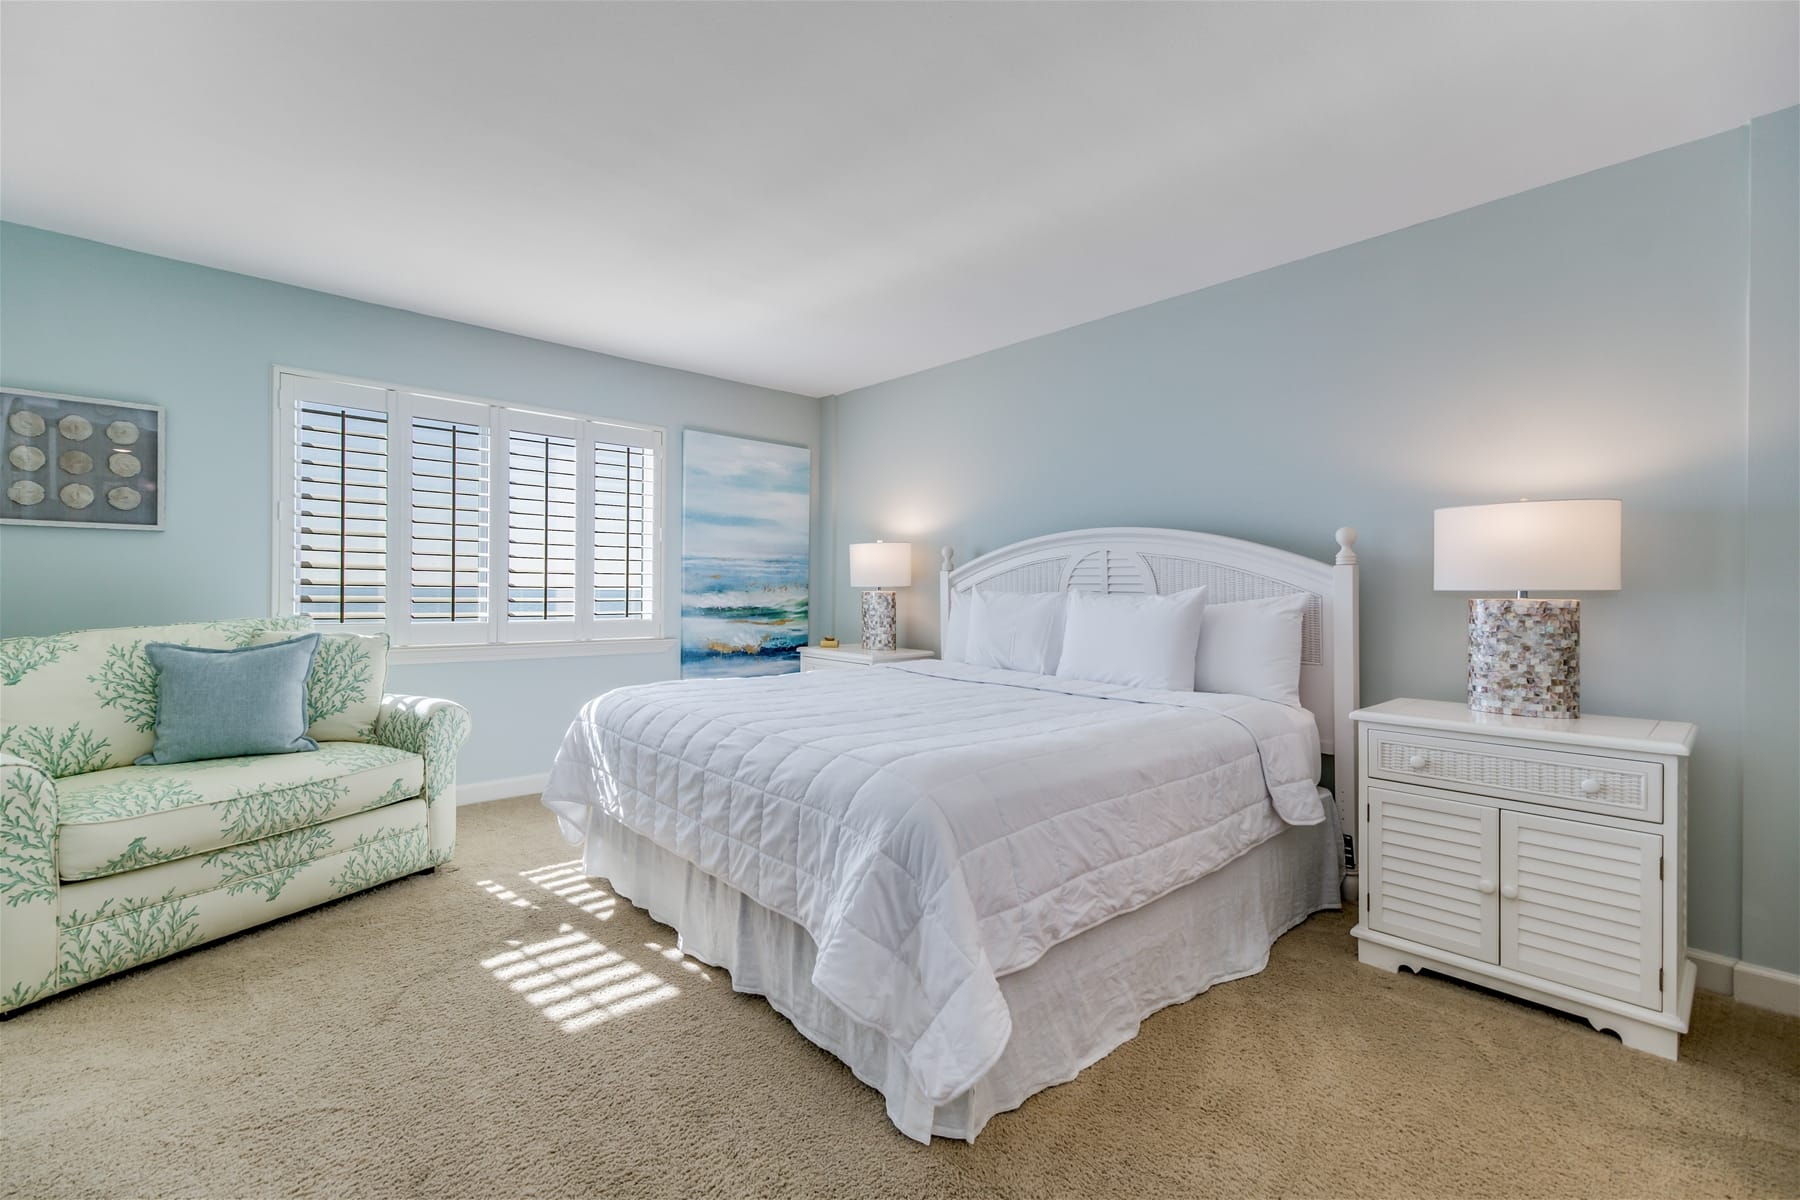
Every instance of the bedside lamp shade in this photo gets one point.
(1524, 653)
(1537, 545)
(877, 567)
(880, 564)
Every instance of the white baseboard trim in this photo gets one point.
(500, 789)
(1712, 972)
(1764, 987)
(1759, 987)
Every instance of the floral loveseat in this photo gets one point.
(105, 865)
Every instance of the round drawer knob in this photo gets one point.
(1485, 887)
(1416, 762)
(1590, 787)
(1510, 891)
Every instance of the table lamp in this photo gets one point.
(879, 567)
(1524, 653)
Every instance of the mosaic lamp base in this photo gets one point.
(880, 625)
(1524, 657)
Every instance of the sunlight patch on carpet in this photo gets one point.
(576, 981)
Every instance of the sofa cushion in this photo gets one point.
(344, 688)
(86, 701)
(131, 817)
(261, 872)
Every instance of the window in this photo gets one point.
(450, 521)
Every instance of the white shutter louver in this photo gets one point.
(541, 484)
(624, 531)
(449, 533)
(340, 502)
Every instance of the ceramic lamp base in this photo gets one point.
(1524, 657)
(880, 625)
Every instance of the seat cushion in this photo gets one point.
(131, 817)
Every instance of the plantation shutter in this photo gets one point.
(337, 507)
(545, 489)
(625, 533)
(446, 542)
(454, 521)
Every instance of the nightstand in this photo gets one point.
(817, 658)
(1545, 858)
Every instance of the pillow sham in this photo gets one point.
(1252, 648)
(226, 703)
(1137, 641)
(1015, 631)
(345, 685)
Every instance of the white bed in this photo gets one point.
(969, 883)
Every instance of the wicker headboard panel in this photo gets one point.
(1161, 561)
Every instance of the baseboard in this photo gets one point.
(1764, 987)
(1713, 971)
(1759, 987)
(500, 789)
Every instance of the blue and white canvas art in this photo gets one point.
(746, 540)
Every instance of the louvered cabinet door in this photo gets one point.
(1432, 867)
(1583, 906)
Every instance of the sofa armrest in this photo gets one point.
(28, 885)
(435, 730)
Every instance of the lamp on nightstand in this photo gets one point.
(879, 567)
(1524, 653)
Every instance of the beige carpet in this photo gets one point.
(404, 1043)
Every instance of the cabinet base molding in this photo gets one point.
(1640, 1029)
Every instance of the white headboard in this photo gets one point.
(1160, 561)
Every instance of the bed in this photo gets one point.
(969, 883)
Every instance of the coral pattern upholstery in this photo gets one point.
(105, 865)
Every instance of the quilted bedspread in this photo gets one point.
(935, 826)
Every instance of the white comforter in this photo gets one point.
(935, 826)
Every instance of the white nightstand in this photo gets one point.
(817, 658)
(1540, 857)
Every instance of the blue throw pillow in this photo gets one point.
(226, 703)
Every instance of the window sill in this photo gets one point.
(491, 652)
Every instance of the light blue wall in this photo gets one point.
(1772, 552)
(1583, 339)
(94, 320)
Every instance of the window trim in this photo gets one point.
(412, 641)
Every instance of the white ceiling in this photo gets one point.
(822, 196)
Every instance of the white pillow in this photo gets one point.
(1015, 631)
(1138, 641)
(1252, 648)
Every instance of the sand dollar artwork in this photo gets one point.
(123, 464)
(27, 424)
(77, 495)
(122, 433)
(76, 429)
(75, 462)
(124, 498)
(26, 458)
(25, 492)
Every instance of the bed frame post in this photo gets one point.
(1346, 695)
(949, 557)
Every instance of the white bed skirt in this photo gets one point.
(1079, 1002)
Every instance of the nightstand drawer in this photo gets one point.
(1621, 786)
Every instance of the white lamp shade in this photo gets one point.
(1533, 545)
(880, 564)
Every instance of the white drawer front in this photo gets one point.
(1583, 906)
(1620, 786)
(1433, 870)
(828, 664)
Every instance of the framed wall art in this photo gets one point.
(77, 461)
(746, 546)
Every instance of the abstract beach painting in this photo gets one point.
(746, 540)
